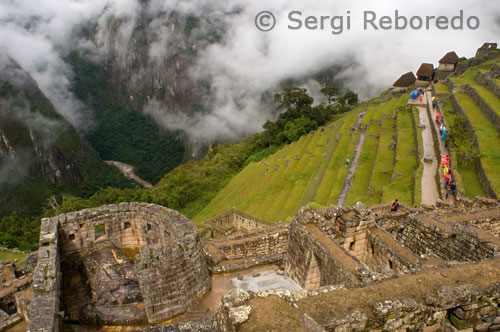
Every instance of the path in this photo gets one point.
(354, 163)
(128, 171)
(443, 151)
(429, 190)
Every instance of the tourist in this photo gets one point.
(453, 187)
(443, 162)
(448, 159)
(439, 117)
(347, 162)
(447, 179)
(443, 135)
(446, 170)
(395, 206)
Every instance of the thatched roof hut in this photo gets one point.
(451, 58)
(405, 80)
(425, 72)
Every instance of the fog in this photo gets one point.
(246, 62)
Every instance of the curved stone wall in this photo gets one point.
(168, 272)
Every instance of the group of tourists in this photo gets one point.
(443, 131)
(449, 183)
(450, 186)
(418, 93)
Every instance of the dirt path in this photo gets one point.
(429, 191)
(128, 171)
(354, 163)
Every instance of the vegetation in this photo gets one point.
(12, 256)
(312, 170)
(191, 186)
(487, 136)
(120, 132)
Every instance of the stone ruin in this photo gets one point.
(123, 264)
(140, 264)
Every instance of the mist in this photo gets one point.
(246, 63)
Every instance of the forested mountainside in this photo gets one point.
(41, 154)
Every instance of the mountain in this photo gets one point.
(385, 134)
(41, 154)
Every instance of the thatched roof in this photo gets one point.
(405, 80)
(426, 70)
(450, 58)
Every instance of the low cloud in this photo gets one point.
(246, 64)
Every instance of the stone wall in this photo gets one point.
(487, 82)
(483, 179)
(170, 269)
(314, 259)
(448, 308)
(233, 220)
(383, 254)
(246, 249)
(125, 225)
(425, 235)
(44, 314)
(172, 277)
(488, 111)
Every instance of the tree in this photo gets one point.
(331, 93)
(294, 101)
(298, 127)
(349, 98)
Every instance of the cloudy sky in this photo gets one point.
(39, 33)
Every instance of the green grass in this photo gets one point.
(406, 165)
(360, 186)
(466, 176)
(337, 162)
(470, 179)
(487, 136)
(420, 170)
(277, 194)
(441, 88)
(487, 95)
(11, 256)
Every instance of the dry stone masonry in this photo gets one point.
(126, 254)
(140, 264)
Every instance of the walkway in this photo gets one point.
(429, 190)
(443, 151)
(354, 163)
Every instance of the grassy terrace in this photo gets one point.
(361, 181)
(487, 136)
(406, 165)
(441, 88)
(272, 190)
(333, 180)
(420, 169)
(375, 169)
(466, 169)
(487, 95)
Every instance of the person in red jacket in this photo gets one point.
(447, 179)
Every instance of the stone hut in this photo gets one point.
(449, 62)
(404, 82)
(425, 72)
(487, 51)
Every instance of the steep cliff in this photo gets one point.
(41, 154)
